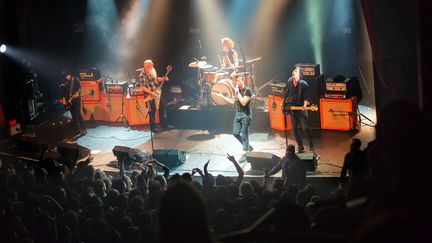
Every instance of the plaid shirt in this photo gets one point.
(148, 81)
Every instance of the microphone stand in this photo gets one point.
(152, 124)
(243, 56)
(255, 90)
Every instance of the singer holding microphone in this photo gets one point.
(243, 116)
(297, 94)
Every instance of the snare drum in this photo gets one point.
(209, 76)
(225, 87)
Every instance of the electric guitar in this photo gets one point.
(67, 101)
(158, 90)
(300, 108)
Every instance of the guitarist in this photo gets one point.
(296, 94)
(72, 100)
(150, 82)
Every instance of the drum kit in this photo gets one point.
(213, 80)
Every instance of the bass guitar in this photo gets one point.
(300, 108)
(158, 90)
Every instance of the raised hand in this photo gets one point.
(231, 158)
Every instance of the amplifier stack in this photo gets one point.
(108, 101)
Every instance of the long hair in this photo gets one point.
(149, 68)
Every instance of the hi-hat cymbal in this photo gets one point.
(139, 69)
(199, 64)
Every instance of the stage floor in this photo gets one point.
(201, 145)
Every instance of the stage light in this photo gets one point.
(2, 48)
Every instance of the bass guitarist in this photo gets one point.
(152, 85)
(296, 94)
(72, 101)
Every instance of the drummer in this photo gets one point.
(229, 56)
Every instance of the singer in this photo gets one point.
(297, 94)
(243, 116)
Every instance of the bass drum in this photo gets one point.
(224, 87)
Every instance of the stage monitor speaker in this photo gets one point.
(122, 154)
(171, 158)
(338, 114)
(309, 161)
(69, 151)
(29, 144)
(261, 160)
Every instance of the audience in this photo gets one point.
(385, 199)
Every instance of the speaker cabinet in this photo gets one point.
(122, 155)
(94, 110)
(309, 161)
(276, 114)
(338, 114)
(91, 90)
(261, 160)
(136, 111)
(114, 104)
(171, 158)
(71, 152)
(316, 89)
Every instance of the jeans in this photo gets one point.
(296, 118)
(76, 115)
(241, 129)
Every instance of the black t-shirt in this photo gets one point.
(246, 91)
(296, 95)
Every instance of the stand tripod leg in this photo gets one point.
(122, 116)
(360, 115)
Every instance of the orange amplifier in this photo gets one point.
(134, 91)
(91, 90)
(94, 110)
(136, 111)
(276, 114)
(338, 114)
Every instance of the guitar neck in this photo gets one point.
(299, 108)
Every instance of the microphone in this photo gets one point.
(199, 42)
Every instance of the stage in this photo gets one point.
(199, 144)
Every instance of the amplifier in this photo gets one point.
(89, 74)
(277, 89)
(338, 114)
(335, 86)
(335, 96)
(136, 91)
(116, 88)
(309, 70)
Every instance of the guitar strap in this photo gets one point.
(71, 87)
(299, 91)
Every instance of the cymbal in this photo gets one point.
(253, 59)
(199, 64)
(139, 69)
(207, 66)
